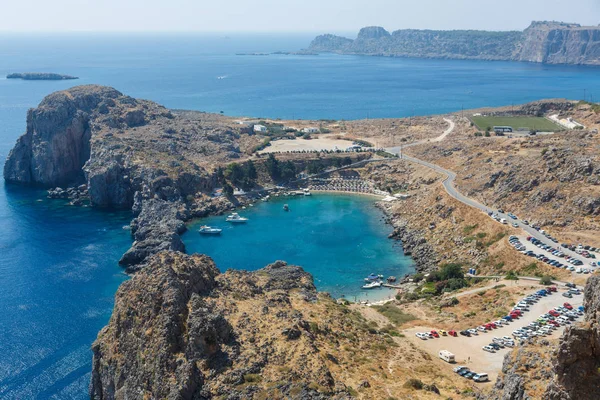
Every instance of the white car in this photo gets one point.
(472, 331)
(489, 349)
(481, 328)
(422, 336)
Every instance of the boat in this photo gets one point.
(373, 277)
(208, 230)
(372, 285)
(286, 207)
(307, 192)
(236, 219)
(391, 279)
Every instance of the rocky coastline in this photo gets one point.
(547, 42)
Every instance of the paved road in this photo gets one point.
(448, 183)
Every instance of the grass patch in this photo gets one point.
(394, 314)
(469, 229)
(529, 123)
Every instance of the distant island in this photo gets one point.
(40, 76)
(542, 42)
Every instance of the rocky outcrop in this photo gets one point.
(577, 361)
(560, 43)
(181, 330)
(40, 76)
(544, 42)
(158, 227)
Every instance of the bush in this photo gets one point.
(546, 280)
(511, 276)
(413, 383)
(394, 314)
(252, 378)
(449, 271)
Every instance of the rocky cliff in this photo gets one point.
(127, 153)
(545, 42)
(181, 330)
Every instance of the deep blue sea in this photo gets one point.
(58, 264)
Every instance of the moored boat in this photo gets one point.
(373, 277)
(372, 285)
(209, 230)
(286, 207)
(236, 218)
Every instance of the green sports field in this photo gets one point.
(531, 123)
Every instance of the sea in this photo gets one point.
(58, 264)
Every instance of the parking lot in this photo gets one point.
(530, 246)
(468, 350)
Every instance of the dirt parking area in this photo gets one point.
(320, 143)
(468, 350)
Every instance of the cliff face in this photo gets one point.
(56, 144)
(181, 330)
(130, 153)
(555, 43)
(577, 363)
(545, 42)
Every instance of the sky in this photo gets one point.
(315, 16)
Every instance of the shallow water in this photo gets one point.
(340, 239)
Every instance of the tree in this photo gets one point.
(220, 175)
(227, 190)
(346, 161)
(546, 280)
(273, 167)
(250, 171)
(235, 173)
(451, 271)
(511, 276)
(288, 171)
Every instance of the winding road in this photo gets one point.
(450, 188)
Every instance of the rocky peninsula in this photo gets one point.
(542, 42)
(40, 76)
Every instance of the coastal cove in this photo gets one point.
(338, 238)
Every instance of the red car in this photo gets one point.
(452, 333)
(518, 312)
(553, 313)
(568, 306)
(434, 334)
(554, 323)
(552, 288)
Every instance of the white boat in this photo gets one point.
(286, 207)
(208, 230)
(372, 285)
(372, 277)
(307, 192)
(236, 219)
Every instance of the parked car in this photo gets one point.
(567, 294)
(568, 306)
(489, 349)
(481, 378)
(452, 333)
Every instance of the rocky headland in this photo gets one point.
(40, 76)
(543, 42)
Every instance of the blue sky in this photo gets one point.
(336, 16)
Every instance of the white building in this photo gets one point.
(310, 130)
(260, 128)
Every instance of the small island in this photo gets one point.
(40, 76)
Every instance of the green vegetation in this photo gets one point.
(413, 383)
(546, 280)
(469, 229)
(394, 314)
(280, 171)
(530, 123)
(252, 378)
(595, 106)
(511, 276)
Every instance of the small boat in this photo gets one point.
(391, 279)
(373, 277)
(372, 285)
(208, 230)
(286, 207)
(307, 192)
(236, 219)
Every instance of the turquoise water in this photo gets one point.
(340, 239)
(58, 266)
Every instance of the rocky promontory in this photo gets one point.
(96, 144)
(182, 330)
(40, 76)
(543, 42)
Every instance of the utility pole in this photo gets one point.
(584, 94)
